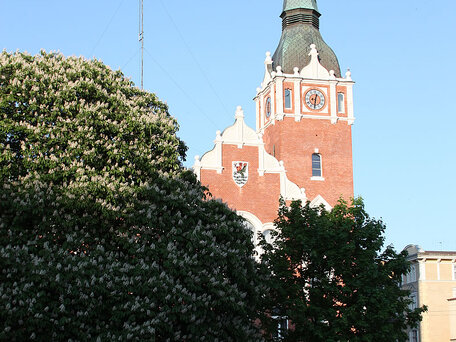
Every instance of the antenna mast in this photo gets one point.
(141, 38)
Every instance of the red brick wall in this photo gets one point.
(295, 142)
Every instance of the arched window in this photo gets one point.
(341, 103)
(268, 236)
(288, 98)
(316, 165)
(268, 107)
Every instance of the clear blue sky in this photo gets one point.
(206, 57)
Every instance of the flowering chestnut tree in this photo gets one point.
(103, 235)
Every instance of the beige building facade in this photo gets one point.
(432, 282)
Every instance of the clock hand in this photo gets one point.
(315, 101)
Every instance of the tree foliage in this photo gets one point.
(331, 280)
(104, 236)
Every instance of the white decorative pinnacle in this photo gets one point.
(332, 75)
(313, 51)
(314, 69)
(239, 113)
(296, 71)
(279, 70)
(348, 75)
(267, 70)
(268, 59)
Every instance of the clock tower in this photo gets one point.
(305, 109)
(301, 147)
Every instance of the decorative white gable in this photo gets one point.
(319, 200)
(241, 135)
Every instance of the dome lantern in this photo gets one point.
(300, 29)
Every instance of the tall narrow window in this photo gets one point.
(268, 107)
(341, 103)
(316, 165)
(414, 304)
(288, 98)
(414, 335)
(454, 272)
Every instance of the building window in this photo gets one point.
(414, 335)
(414, 304)
(411, 275)
(249, 225)
(268, 236)
(288, 98)
(282, 326)
(454, 272)
(341, 103)
(316, 165)
(268, 107)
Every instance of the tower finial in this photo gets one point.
(289, 5)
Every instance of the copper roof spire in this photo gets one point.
(300, 29)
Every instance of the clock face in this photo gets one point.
(315, 99)
(268, 107)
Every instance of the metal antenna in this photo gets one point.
(141, 38)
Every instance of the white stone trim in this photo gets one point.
(315, 74)
(289, 190)
(259, 228)
(422, 269)
(334, 97)
(319, 200)
(298, 98)
(320, 179)
(279, 94)
(267, 70)
(438, 268)
(255, 221)
(349, 99)
(259, 116)
(314, 70)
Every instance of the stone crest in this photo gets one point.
(240, 172)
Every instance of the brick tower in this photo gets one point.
(301, 148)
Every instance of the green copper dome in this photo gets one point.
(300, 29)
(294, 4)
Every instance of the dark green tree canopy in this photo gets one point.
(330, 278)
(104, 236)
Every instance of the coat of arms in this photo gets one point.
(240, 172)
